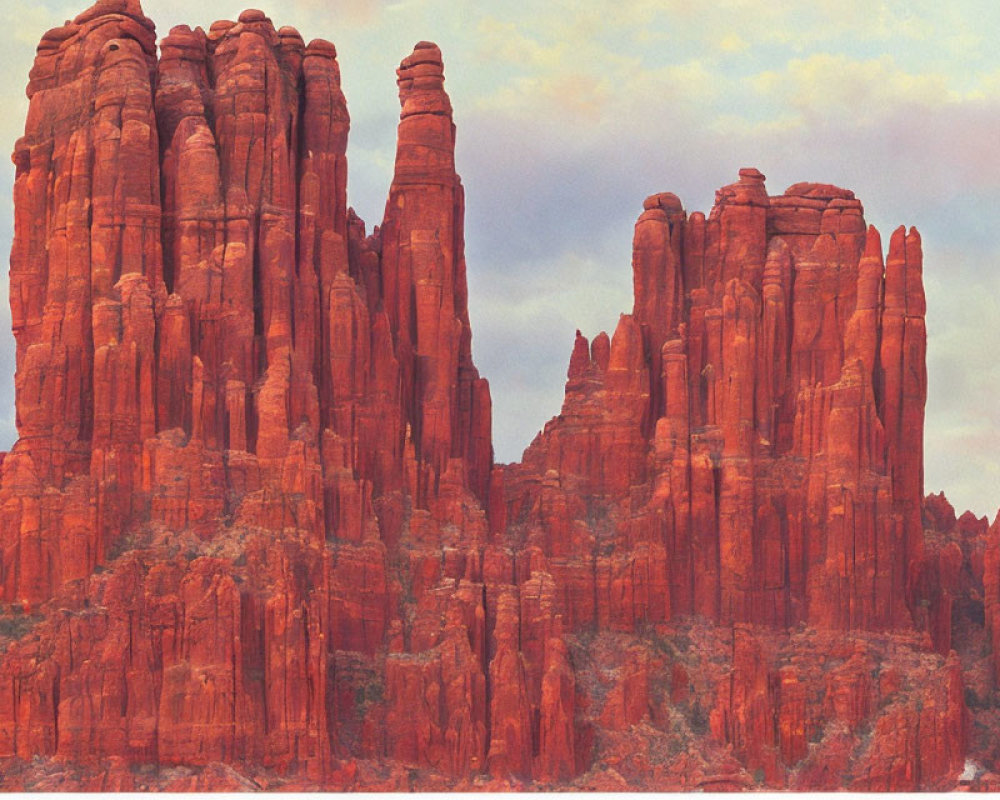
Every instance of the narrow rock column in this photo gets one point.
(423, 278)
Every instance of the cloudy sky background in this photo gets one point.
(570, 113)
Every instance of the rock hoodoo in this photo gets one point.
(252, 535)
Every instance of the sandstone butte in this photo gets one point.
(252, 535)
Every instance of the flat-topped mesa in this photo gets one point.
(776, 373)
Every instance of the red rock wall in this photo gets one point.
(252, 535)
(754, 428)
(277, 421)
(86, 271)
(241, 305)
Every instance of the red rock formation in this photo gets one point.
(751, 707)
(86, 272)
(252, 535)
(211, 358)
(754, 437)
(747, 448)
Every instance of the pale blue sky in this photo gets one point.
(570, 113)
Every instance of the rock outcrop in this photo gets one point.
(261, 419)
(252, 535)
(750, 439)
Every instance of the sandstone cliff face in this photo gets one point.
(258, 414)
(754, 428)
(252, 534)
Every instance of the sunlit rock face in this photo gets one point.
(252, 535)
(747, 446)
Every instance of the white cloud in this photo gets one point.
(835, 84)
